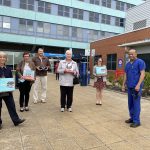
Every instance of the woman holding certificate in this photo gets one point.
(26, 73)
(5, 92)
(100, 72)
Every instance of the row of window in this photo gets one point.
(66, 11)
(44, 29)
(45, 6)
(118, 5)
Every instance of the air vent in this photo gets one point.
(139, 24)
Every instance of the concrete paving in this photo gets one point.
(89, 126)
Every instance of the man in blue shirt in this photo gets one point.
(133, 79)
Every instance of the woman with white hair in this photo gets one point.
(5, 72)
(67, 69)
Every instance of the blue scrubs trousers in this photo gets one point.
(134, 104)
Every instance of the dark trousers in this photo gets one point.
(134, 105)
(66, 97)
(24, 88)
(9, 101)
(57, 76)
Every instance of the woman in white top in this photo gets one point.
(99, 82)
(67, 69)
(25, 83)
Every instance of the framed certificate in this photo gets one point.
(29, 75)
(101, 70)
(7, 84)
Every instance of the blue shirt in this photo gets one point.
(133, 72)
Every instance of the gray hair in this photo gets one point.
(68, 51)
(3, 54)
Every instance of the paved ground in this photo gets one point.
(89, 126)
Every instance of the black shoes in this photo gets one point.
(134, 125)
(19, 122)
(0, 126)
(129, 121)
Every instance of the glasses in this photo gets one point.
(100, 61)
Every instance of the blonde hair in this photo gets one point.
(3, 54)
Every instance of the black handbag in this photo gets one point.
(76, 80)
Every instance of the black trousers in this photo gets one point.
(57, 76)
(66, 97)
(10, 104)
(24, 88)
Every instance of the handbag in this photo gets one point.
(76, 80)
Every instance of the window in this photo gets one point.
(63, 11)
(129, 6)
(40, 28)
(77, 13)
(6, 22)
(111, 61)
(46, 28)
(7, 2)
(106, 3)
(27, 4)
(26, 25)
(74, 32)
(96, 2)
(93, 35)
(119, 22)
(63, 31)
(120, 5)
(44, 7)
(29, 25)
(94, 17)
(105, 19)
(102, 33)
(22, 24)
(0, 21)
(77, 33)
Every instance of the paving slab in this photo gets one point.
(88, 127)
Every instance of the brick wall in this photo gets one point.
(110, 45)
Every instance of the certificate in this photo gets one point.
(28, 75)
(7, 84)
(101, 70)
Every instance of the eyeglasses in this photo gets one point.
(100, 61)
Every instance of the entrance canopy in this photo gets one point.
(137, 43)
(54, 55)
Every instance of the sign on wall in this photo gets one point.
(120, 63)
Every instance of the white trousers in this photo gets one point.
(40, 81)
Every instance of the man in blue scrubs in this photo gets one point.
(133, 79)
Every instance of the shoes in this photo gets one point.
(35, 102)
(62, 109)
(26, 108)
(19, 122)
(98, 104)
(129, 121)
(21, 109)
(0, 126)
(70, 109)
(134, 125)
(43, 101)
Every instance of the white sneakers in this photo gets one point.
(70, 109)
(63, 109)
(42, 101)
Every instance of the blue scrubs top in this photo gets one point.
(133, 72)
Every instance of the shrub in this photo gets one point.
(146, 84)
